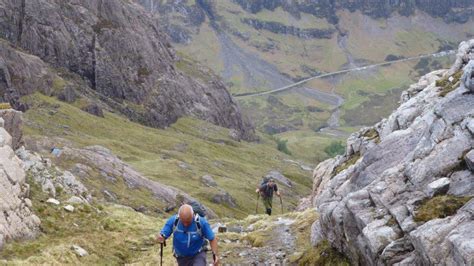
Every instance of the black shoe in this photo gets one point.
(269, 211)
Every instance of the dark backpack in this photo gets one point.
(198, 208)
(265, 180)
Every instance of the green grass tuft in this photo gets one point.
(351, 161)
(323, 254)
(335, 148)
(449, 86)
(439, 207)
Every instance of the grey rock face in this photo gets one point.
(94, 109)
(469, 158)
(125, 58)
(279, 177)
(437, 187)
(468, 77)
(13, 123)
(224, 198)
(17, 221)
(208, 181)
(461, 183)
(51, 179)
(368, 206)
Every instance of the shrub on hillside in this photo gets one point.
(335, 148)
(281, 146)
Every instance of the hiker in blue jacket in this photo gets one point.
(189, 231)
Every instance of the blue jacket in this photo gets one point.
(186, 240)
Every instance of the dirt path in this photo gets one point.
(276, 250)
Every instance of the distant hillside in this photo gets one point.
(261, 45)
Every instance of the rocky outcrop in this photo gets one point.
(16, 218)
(370, 198)
(119, 50)
(50, 178)
(280, 28)
(100, 165)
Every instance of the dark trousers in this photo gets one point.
(196, 260)
(267, 202)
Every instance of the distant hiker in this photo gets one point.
(189, 232)
(266, 190)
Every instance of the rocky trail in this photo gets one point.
(265, 240)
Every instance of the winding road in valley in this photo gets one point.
(326, 96)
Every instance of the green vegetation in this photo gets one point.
(448, 86)
(281, 146)
(335, 148)
(194, 69)
(372, 134)
(350, 161)
(111, 234)
(143, 72)
(439, 207)
(4, 106)
(308, 145)
(103, 24)
(160, 154)
(323, 254)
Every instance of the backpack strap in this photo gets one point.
(197, 220)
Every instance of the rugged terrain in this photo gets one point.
(119, 53)
(403, 191)
(265, 45)
(117, 126)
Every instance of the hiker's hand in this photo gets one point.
(258, 190)
(278, 193)
(160, 239)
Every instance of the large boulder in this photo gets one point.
(17, 221)
(369, 198)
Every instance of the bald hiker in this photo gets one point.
(189, 231)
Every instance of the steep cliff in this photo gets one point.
(403, 191)
(118, 49)
(16, 218)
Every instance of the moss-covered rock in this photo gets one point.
(439, 207)
(323, 254)
(351, 161)
(448, 84)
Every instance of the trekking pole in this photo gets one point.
(281, 203)
(161, 252)
(256, 209)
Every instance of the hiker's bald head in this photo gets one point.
(186, 214)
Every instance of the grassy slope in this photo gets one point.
(369, 95)
(237, 167)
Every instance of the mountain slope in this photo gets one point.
(123, 57)
(262, 45)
